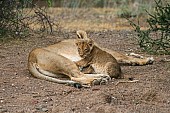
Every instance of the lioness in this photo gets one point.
(96, 60)
(52, 62)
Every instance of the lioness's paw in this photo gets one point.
(104, 81)
(150, 60)
(101, 81)
(104, 76)
(77, 85)
(96, 82)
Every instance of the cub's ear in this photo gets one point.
(81, 34)
(77, 43)
(91, 43)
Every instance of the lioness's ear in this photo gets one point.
(91, 43)
(81, 34)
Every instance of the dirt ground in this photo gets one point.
(21, 93)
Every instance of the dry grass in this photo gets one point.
(94, 19)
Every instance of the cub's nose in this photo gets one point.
(81, 55)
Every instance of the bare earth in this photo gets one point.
(21, 93)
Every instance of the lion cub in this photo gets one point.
(96, 60)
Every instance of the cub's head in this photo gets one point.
(84, 47)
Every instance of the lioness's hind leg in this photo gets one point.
(47, 72)
(37, 72)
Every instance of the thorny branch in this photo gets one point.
(21, 20)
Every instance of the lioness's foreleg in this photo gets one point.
(94, 79)
(42, 74)
(136, 59)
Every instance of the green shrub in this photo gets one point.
(159, 23)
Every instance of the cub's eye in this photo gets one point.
(86, 50)
(90, 44)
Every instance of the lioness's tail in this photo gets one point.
(34, 69)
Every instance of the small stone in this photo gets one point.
(47, 100)
(38, 108)
(44, 109)
(1, 101)
(87, 108)
(22, 111)
(3, 110)
(168, 102)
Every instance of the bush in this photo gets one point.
(159, 23)
(17, 22)
(9, 18)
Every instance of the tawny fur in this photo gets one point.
(52, 62)
(98, 61)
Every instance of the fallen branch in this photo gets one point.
(125, 81)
